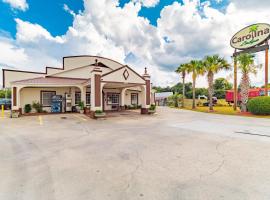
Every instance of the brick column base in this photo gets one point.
(122, 108)
(91, 114)
(144, 111)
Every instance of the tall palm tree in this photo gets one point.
(182, 69)
(196, 68)
(246, 65)
(212, 65)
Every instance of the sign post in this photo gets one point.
(235, 85)
(266, 72)
(251, 39)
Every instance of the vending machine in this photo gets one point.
(56, 104)
(68, 103)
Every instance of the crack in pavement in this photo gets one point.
(132, 173)
(221, 164)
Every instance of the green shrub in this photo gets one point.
(259, 106)
(37, 106)
(98, 111)
(152, 107)
(27, 108)
(81, 105)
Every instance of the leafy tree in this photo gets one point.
(175, 89)
(198, 91)
(174, 100)
(161, 89)
(182, 70)
(212, 65)
(196, 68)
(3, 93)
(222, 84)
(246, 65)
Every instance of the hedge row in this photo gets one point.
(259, 106)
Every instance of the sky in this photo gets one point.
(157, 34)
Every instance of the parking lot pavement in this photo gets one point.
(6, 114)
(175, 154)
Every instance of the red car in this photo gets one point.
(252, 93)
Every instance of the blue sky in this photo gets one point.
(50, 15)
(56, 20)
(39, 33)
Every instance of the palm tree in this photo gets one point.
(212, 65)
(196, 68)
(182, 69)
(246, 65)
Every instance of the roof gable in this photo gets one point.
(123, 74)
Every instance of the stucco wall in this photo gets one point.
(82, 72)
(79, 61)
(10, 76)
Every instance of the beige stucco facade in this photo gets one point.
(101, 83)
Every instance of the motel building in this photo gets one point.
(101, 83)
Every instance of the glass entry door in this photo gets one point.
(113, 100)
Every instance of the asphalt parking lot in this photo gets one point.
(172, 155)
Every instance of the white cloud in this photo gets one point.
(67, 9)
(28, 32)
(148, 3)
(192, 30)
(252, 4)
(17, 4)
(11, 54)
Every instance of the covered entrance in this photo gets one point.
(120, 89)
(120, 96)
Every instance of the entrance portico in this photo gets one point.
(108, 91)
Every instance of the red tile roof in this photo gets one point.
(51, 81)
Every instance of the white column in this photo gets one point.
(146, 93)
(83, 94)
(123, 97)
(73, 96)
(143, 96)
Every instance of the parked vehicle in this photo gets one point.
(202, 97)
(6, 103)
(214, 99)
(253, 92)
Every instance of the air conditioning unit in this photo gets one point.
(68, 103)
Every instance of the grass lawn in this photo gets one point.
(222, 107)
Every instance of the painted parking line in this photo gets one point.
(81, 118)
(40, 119)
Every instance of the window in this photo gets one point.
(77, 98)
(112, 98)
(134, 99)
(46, 97)
(88, 98)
